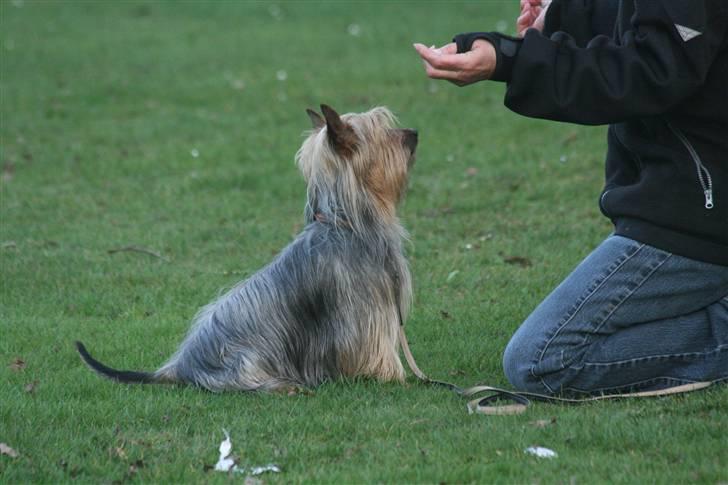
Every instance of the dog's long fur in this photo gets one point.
(330, 304)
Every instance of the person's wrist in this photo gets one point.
(488, 55)
(506, 50)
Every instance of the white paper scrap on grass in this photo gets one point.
(257, 470)
(226, 463)
(541, 452)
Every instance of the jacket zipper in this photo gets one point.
(706, 181)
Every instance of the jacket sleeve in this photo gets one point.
(581, 19)
(645, 70)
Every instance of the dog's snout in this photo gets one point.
(410, 139)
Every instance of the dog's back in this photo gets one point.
(327, 306)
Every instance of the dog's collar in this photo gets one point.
(338, 221)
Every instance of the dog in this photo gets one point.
(329, 306)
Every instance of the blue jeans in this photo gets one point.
(629, 317)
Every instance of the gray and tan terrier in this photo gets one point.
(331, 303)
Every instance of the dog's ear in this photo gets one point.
(340, 134)
(316, 120)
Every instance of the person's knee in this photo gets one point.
(512, 366)
(518, 359)
(532, 365)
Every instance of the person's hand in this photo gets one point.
(475, 65)
(532, 16)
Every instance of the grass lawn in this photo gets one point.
(172, 126)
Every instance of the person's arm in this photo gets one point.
(645, 72)
(649, 69)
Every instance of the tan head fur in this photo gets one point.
(356, 162)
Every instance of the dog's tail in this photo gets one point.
(124, 376)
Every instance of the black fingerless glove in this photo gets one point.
(506, 49)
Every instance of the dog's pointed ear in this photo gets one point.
(340, 134)
(316, 120)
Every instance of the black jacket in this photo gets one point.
(657, 72)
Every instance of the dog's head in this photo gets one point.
(358, 154)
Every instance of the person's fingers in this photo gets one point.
(458, 82)
(540, 20)
(435, 73)
(451, 62)
(525, 7)
(527, 17)
(425, 52)
(522, 19)
(451, 48)
(530, 3)
(419, 47)
(441, 60)
(523, 22)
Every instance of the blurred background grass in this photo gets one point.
(172, 126)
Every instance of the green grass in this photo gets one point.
(102, 105)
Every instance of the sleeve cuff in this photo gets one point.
(506, 50)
